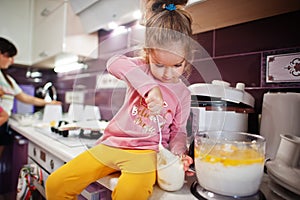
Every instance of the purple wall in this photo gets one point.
(238, 51)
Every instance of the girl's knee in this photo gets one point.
(52, 183)
(50, 186)
(134, 186)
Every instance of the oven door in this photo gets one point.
(44, 163)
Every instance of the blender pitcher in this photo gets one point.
(229, 163)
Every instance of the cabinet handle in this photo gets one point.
(43, 54)
(45, 12)
(52, 164)
(22, 142)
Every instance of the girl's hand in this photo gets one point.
(54, 102)
(187, 161)
(1, 92)
(154, 100)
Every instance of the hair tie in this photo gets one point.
(170, 7)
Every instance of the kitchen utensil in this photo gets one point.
(280, 191)
(92, 125)
(289, 150)
(280, 115)
(201, 194)
(170, 172)
(52, 113)
(217, 106)
(25, 119)
(285, 176)
(285, 169)
(75, 112)
(229, 163)
(91, 113)
(56, 129)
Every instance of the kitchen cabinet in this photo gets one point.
(213, 14)
(96, 14)
(16, 25)
(58, 32)
(12, 160)
(79, 5)
(124, 41)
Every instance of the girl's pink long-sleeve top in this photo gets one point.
(133, 127)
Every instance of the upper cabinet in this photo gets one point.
(213, 14)
(45, 30)
(97, 14)
(16, 26)
(126, 40)
(58, 32)
(79, 5)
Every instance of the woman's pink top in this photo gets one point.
(133, 127)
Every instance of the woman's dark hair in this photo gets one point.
(9, 49)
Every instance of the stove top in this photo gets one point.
(203, 194)
(75, 137)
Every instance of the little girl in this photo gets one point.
(130, 141)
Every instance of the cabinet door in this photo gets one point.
(48, 28)
(15, 25)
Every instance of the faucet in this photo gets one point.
(48, 92)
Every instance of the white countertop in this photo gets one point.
(66, 153)
(62, 151)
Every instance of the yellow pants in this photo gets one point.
(138, 173)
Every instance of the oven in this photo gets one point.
(44, 163)
(41, 163)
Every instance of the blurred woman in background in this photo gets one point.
(9, 89)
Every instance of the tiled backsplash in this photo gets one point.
(238, 51)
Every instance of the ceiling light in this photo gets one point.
(119, 30)
(70, 67)
(112, 25)
(67, 63)
(64, 59)
(137, 14)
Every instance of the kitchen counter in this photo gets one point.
(62, 151)
(66, 153)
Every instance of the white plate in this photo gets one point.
(285, 176)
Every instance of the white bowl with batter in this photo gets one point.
(229, 163)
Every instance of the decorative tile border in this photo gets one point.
(281, 68)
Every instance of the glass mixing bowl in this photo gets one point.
(229, 163)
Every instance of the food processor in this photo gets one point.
(218, 106)
(229, 165)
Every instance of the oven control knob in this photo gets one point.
(52, 164)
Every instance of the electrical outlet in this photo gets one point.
(74, 97)
(109, 81)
